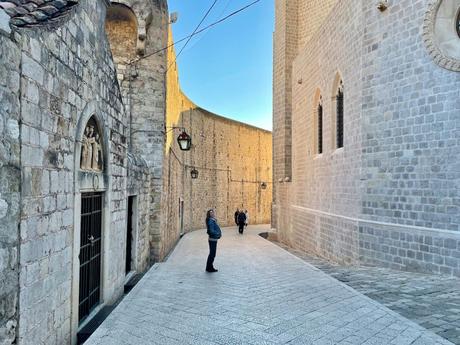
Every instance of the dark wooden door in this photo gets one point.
(90, 253)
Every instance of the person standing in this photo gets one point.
(241, 222)
(214, 234)
(246, 213)
(236, 215)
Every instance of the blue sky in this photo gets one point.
(228, 69)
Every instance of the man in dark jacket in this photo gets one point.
(236, 215)
(241, 222)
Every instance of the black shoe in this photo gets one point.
(211, 270)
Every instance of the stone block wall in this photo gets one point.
(389, 196)
(141, 69)
(139, 186)
(10, 176)
(67, 74)
(411, 108)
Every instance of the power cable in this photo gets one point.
(204, 35)
(196, 33)
(193, 33)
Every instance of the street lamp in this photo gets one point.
(185, 141)
(194, 173)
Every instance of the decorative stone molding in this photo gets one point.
(440, 34)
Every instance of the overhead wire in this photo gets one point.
(197, 32)
(193, 33)
(204, 35)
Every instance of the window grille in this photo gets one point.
(340, 118)
(320, 128)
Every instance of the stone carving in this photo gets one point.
(91, 149)
(440, 35)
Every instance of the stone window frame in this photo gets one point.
(336, 86)
(439, 57)
(317, 102)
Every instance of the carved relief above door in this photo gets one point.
(91, 149)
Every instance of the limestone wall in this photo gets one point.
(389, 196)
(232, 158)
(137, 31)
(10, 176)
(330, 181)
(68, 76)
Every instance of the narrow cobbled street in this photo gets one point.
(262, 294)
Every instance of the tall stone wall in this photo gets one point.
(54, 78)
(329, 182)
(10, 176)
(389, 196)
(232, 159)
(142, 73)
(411, 148)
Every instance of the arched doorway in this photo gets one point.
(90, 254)
(91, 217)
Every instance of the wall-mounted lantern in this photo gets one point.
(263, 185)
(185, 141)
(194, 173)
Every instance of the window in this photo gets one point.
(457, 24)
(339, 103)
(320, 127)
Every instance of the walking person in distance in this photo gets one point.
(241, 222)
(214, 234)
(236, 215)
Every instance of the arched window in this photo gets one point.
(339, 113)
(319, 114)
(457, 23)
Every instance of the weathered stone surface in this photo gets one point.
(398, 168)
(4, 22)
(9, 189)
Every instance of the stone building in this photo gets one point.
(366, 131)
(90, 194)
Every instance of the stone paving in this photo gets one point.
(262, 294)
(431, 301)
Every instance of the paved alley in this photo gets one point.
(261, 295)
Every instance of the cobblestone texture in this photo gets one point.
(261, 295)
(429, 300)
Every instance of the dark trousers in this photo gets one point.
(241, 227)
(212, 254)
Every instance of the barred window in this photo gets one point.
(320, 128)
(339, 122)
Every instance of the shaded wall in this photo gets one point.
(10, 176)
